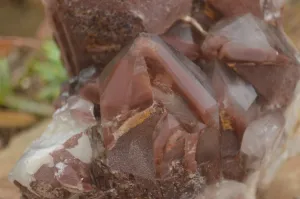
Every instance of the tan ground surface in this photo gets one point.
(9, 156)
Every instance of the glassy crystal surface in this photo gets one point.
(232, 38)
(84, 85)
(257, 53)
(180, 37)
(279, 176)
(57, 164)
(152, 100)
(262, 136)
(272, 9)
(235, 97)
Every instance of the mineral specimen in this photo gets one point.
(177, 112)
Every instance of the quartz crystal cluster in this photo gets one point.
(159, 107)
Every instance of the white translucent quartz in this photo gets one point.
(272, 9)
(289, 149)
(261, 135)
(66, 123)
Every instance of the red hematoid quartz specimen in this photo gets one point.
(167, 109)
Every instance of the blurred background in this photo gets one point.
(31, 74)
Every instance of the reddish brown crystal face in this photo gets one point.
(258, 53)
(179, 36)
(148, 87)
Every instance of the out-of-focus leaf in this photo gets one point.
(50, 70)
(51, 50)
(5, 87)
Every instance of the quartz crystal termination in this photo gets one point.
(160, 114)
(264, 55)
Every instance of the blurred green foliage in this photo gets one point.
(44, 74)
(48, 67)
(5, 86)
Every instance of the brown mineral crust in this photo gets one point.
(93, 32)
(47, 185)
(133, 152)
(119, 185)
(49, 192)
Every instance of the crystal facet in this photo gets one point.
(59, 160)
(261, 136)
(143, 90)
(256, 53)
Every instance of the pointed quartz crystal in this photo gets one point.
(272, 9)
(152, 99)
(232, 37)
(127, 83)
(57, 164)
(259, 53)
(180, 37)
